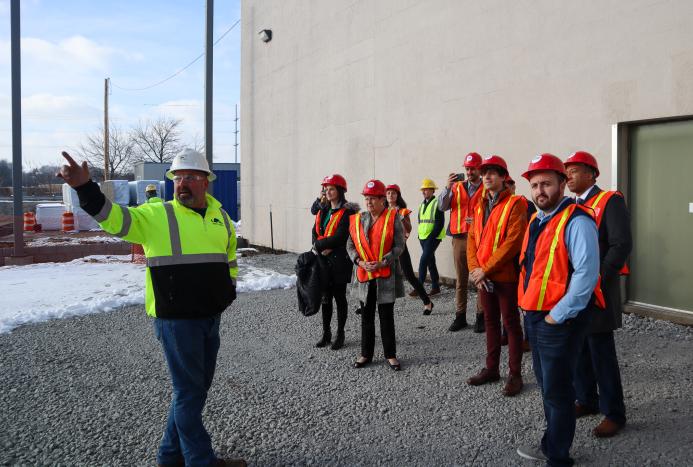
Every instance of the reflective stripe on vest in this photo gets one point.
(381, 240)
(599, 206)
(332, 224)
(427, 220)
(461, 207)
(548, 283)
(496, 225)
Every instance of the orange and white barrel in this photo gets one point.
(68, 222)
(29, 221)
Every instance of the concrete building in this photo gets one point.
(403, 89)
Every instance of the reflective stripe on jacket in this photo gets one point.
(461, 207)
(332, 224)
(427, 220)
(191, 260)
(374, 244)
(550, 271)
(598, 204)
(489, 236)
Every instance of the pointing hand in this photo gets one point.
(74, 174)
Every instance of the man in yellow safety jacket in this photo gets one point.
(190, 246)
(431, 231)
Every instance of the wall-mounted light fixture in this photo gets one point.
(265, 35)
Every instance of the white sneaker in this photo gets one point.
(531, 453)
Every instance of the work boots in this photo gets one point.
(339, 341)
(459, 323)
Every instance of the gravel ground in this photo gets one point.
(94, 390)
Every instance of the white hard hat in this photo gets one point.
(189, 159)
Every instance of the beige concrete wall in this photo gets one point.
(402, 89)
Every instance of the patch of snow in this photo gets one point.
(93, 284)
(50, 241)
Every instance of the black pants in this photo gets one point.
(386, 311)
(338, 293)
(408, 269)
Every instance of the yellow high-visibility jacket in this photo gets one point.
(191, 260)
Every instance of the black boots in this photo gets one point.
(459, 323)
(339, 341)
(479, 324)
(326, 338)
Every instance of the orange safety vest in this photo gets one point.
(462, 207)
(404, 212)
(550, 271)
(488, 237)
(332, 224)
(599, 205)
(382, 236)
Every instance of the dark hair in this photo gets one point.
(400, 201)
(496, 168)
(340, 190)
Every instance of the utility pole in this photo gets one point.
(235, 133)
(106, 142)
(209, 69)
(18, 226)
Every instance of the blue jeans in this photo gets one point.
(190, 347)
(555, 349)
(428, 261)
(598, 365)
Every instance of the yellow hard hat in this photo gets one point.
(428, 183)
(150, 187)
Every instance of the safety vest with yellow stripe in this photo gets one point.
(332, 223)
(550, 271)
(427, 220)
(462, 206)
(490, 235)
(191, 259)
(598, 205)
(374, 244)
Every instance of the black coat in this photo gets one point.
(615, 244)
(339, 265)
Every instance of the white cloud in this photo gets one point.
(73, 51)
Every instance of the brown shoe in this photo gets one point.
(434, 291)
(607, 429)
(584, 411)
(513, 386)
(414, 293)
(483, 377)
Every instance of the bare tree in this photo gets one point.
(121, 151)
(158, 140)
(197, 143)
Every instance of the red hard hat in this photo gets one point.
(583, 157)
(374, 188)
(545, 162)
(497, 161)
(336, 180)
(394, 187)
(473, 159)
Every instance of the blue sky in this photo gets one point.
(70, 46)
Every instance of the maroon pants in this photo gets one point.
(502, 303)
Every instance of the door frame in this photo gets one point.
(620, 180)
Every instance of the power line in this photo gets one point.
(179, 71)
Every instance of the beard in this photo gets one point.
(547, 203)
(185, 198)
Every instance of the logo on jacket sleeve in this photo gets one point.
(217, 221)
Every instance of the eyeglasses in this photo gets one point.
(188, 178)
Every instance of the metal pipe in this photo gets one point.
(17, 181)
(209, 88)
(271, 230)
